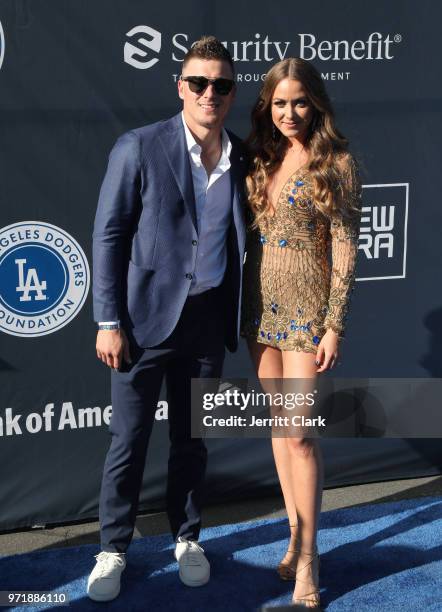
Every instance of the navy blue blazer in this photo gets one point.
(144, 251)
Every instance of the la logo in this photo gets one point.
(32, 283)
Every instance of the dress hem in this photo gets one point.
(279, 345)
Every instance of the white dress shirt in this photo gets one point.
(213, 205)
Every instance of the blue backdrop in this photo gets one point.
(73, 77)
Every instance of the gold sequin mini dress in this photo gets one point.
(292, 293)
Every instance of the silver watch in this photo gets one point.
(108, 326)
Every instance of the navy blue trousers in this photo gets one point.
(195, 349)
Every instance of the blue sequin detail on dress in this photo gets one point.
(283, 243)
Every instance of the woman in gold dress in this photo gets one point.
(304, 197)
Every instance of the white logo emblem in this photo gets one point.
(153, 43)
(31, 283)
(44, 279)
(383, 232)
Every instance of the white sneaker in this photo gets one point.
(104, 581)
(194, 567)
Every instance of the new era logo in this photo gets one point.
(383, 232)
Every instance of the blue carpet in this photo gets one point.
(373, 558)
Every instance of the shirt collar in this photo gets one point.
(194, 148)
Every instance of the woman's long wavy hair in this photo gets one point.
(267, 145)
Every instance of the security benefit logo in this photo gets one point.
(383, 232)
(44, 279)
(144, 38)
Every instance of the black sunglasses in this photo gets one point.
(198, 84)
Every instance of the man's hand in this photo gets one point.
(112, 347)
(327, 353)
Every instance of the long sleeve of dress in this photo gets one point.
(344, 233)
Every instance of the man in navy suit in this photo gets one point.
(168, 248)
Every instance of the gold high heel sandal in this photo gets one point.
(310, 601)
(287, 569)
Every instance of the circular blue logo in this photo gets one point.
(44, 278)
(32, 294)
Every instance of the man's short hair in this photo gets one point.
(208, 48)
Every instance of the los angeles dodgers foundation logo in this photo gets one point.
(44, 279)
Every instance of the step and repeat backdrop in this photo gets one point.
(76, 75)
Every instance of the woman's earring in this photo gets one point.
(273, 131)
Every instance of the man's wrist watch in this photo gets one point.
(109, 325)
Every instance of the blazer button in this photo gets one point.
(194, 242)
(189, 276)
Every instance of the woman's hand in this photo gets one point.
(327, 353)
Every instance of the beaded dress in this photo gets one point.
(292, 293)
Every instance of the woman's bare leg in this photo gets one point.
(304, 457)
(269, 365)
(298, 461)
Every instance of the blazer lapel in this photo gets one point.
(175, 148)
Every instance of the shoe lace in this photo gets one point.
(107, 562)
(192, 553)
